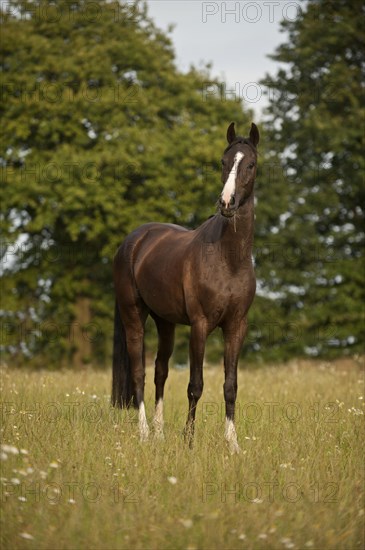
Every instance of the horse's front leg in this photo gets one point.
(198, 336)
(234, 335)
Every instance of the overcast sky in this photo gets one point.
(235, 36)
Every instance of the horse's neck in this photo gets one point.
(240, 229)
(232, 239)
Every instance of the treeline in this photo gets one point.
(102, 132)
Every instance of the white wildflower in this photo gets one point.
(26, 536)
(287, 542)
(187, 523)
(10, 449)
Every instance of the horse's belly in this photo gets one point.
(159, 284)
(163, 299)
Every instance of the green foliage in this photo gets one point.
(313, 252)
(101, 133)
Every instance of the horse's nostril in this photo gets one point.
(232, 201)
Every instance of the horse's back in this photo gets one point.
(144, 235)
(159, 227)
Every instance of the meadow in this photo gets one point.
(74, 474)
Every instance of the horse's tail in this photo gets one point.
(122, 391)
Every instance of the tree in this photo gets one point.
(101, 133)
(312, 259)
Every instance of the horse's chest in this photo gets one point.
(222, 293)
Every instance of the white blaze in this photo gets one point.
(230, 185)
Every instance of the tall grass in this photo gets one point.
(74, 474)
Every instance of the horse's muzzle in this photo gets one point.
(227, 210)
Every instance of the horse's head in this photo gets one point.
(238, 169)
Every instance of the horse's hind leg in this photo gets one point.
(134, 318)
(166, 333)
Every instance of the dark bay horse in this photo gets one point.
(203, 278)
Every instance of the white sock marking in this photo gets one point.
(230, 185)
(231, 436)
(142, 422)
(158, 419)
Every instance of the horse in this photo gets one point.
(203, 278)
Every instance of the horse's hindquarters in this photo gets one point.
(151, 261)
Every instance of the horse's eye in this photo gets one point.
(223, 162)
(251, 165)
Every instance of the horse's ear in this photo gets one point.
(254, 134)
(231, 133)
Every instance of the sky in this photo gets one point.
(235, 37)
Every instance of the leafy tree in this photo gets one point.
(101, 133)
(312, 258)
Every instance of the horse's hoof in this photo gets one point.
(234, 448)
(188, 437)
(144, 436)
(159, 435)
